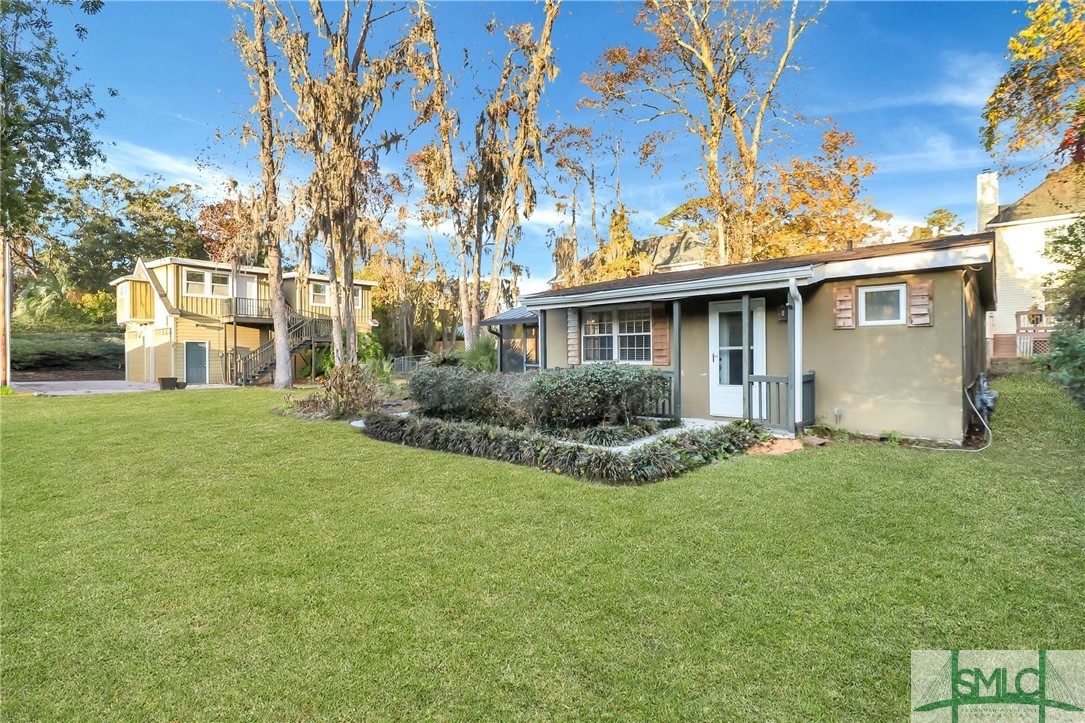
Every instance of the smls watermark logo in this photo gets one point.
(959, 686)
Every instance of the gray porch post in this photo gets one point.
(796, 341)
(541, 348)
(676, 358)
(745, 356)
(793, 379)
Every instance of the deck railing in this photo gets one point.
(771, 403)
(253, 308)
(1034, 329)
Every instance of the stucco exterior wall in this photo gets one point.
(889, 378)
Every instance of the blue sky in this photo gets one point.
(908, 78)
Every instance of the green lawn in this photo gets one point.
(180, 556)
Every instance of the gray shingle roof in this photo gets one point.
(509, 317)
(1062, 192)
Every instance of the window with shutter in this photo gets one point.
(573, 355)
(844, 307)
(920, 303)
(661, 336)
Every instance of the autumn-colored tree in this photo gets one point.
(485, 197)
(617, 257)
(817, 204)
(714, 66)
(939, 222)
(220, 227)
(1040, 101)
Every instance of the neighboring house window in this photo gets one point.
(195, 283)
(202, 283)
(882, 305)
(623, 334)
(220, 284)
(357, 297)
(318, 294)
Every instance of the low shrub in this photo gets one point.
(589, 395)
(453, 392)
(659, 459)
(1066, 361)
(347, 391)
(67, 350)
(609, 435)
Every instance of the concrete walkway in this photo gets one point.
(76, 388)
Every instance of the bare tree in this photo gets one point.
(265, 221)
(716, 66)
(336, 107)
(485, 200)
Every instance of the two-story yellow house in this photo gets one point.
(204, 322)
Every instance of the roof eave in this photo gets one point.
(737, 283)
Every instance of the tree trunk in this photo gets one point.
(268, 162)
(338, 352)
(284, 374)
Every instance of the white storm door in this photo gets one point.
(725, 352)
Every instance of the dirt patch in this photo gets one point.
(776, 446)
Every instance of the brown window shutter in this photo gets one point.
(920, 303)
(574, 337)
(661, 336)
(844, 307)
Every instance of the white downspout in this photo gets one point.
(796, 309)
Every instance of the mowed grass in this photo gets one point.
(187, 556)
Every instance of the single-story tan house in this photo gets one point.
(879, 339)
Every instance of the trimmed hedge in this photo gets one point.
(592, 394)
(656, 460)
(453, 392)
(578, 398)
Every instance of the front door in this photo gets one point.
(245, 292)
(725, 352)
(196, 362)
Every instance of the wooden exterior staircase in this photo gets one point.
(304, 332)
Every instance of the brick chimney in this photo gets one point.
(986, 199)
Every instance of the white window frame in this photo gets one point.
(312, 294)
(207, 283)
(122, 290)
(902, 292)
(359, 296)
(616, 335)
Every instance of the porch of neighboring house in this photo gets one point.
(517, 334)
(239, 316)
(1034, 328)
